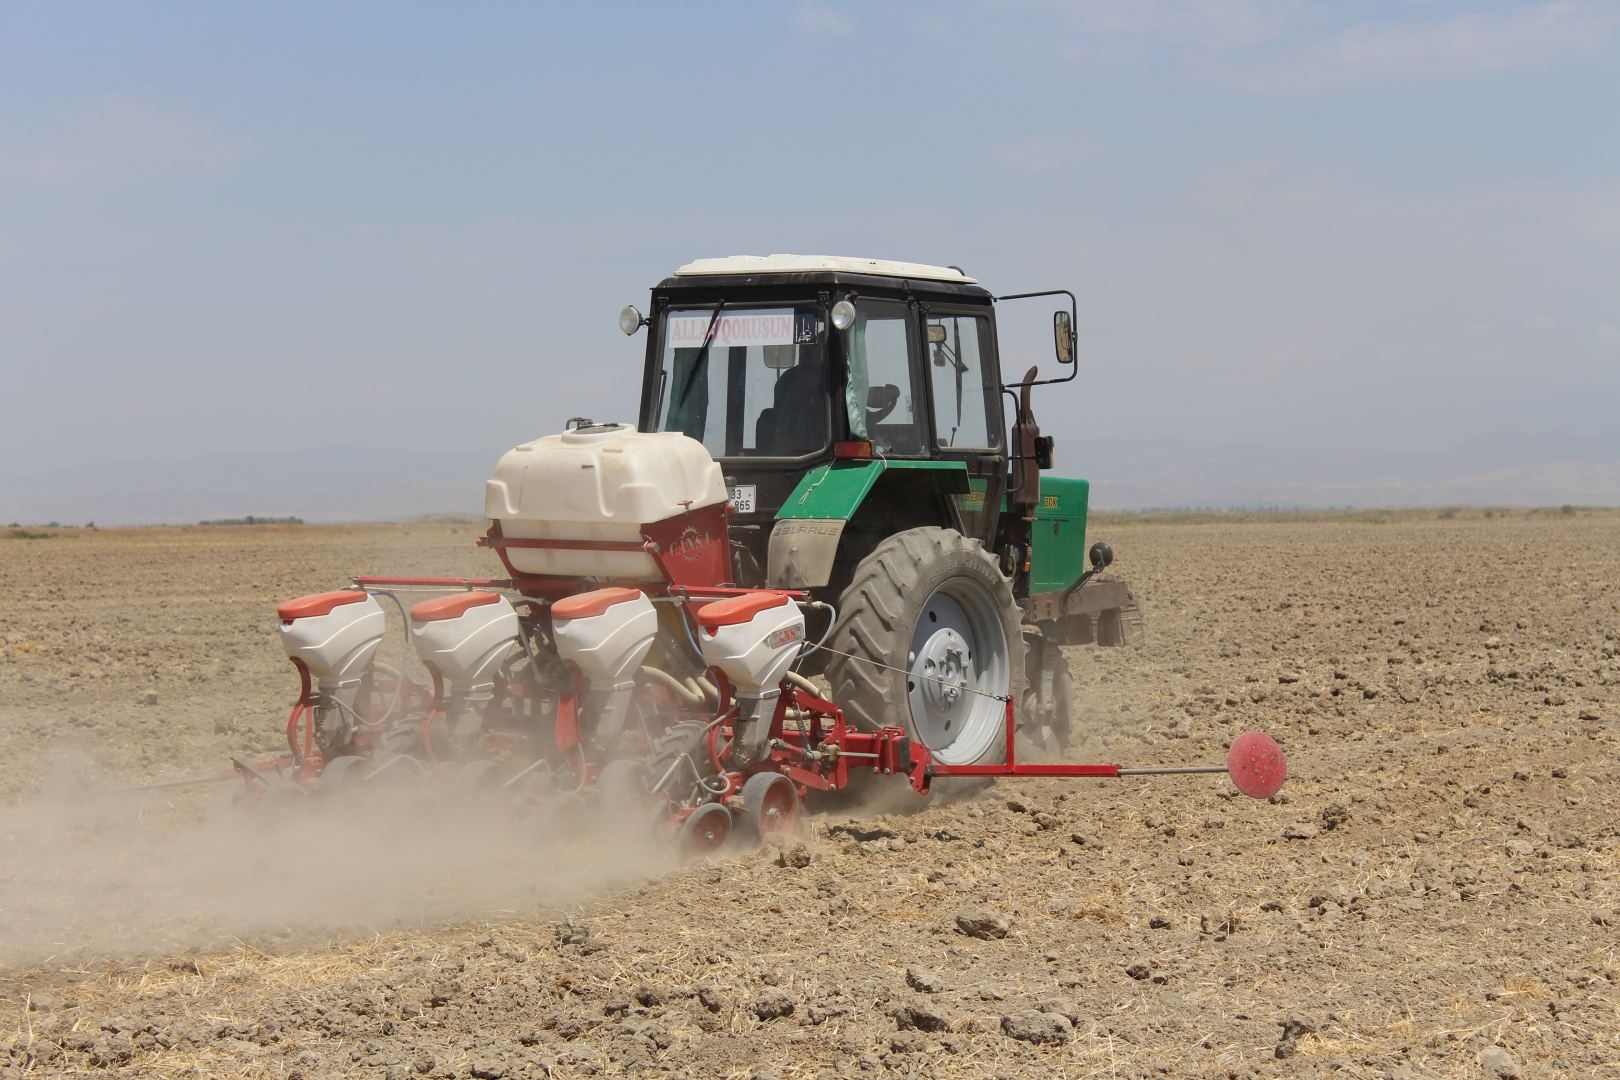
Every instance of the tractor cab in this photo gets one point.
(786, 366)
(784, 356)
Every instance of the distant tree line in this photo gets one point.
(253, 519)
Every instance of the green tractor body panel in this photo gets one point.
(1057, 555)
(836, 491)
(1058, 541)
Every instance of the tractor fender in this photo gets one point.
(804, 543)
(802, 552)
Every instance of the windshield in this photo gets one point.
(745, 381)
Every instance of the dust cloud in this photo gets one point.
(91, 876)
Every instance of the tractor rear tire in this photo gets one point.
(932, 607)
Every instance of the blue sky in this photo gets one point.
(1306, 225)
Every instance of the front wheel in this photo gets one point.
(929, 638)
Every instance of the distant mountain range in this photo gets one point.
(354, 484)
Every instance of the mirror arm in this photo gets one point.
(1074, 320)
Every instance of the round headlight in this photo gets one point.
(843, 314)
(630, 320)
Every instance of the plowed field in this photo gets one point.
(1435, 893)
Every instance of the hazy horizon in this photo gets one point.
(349, 484)
(1328, 247)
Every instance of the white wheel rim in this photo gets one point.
(958, 654)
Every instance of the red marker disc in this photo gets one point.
(1255, 763)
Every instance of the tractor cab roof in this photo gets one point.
(775, 270)
(802, 264)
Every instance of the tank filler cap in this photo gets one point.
(586, 424)
(587, 431)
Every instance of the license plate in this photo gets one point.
(742, 497)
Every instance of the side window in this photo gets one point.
(882, 392)
(958, 346)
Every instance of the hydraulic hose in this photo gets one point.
(803, 683)
(832, 620)
(687, 694)
(707, 689)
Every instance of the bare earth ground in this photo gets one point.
(1434, 894)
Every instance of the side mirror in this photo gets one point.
(1043, 452)
(1063, 337)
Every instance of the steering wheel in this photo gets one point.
(881, 401)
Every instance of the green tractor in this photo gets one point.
(877, 458)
